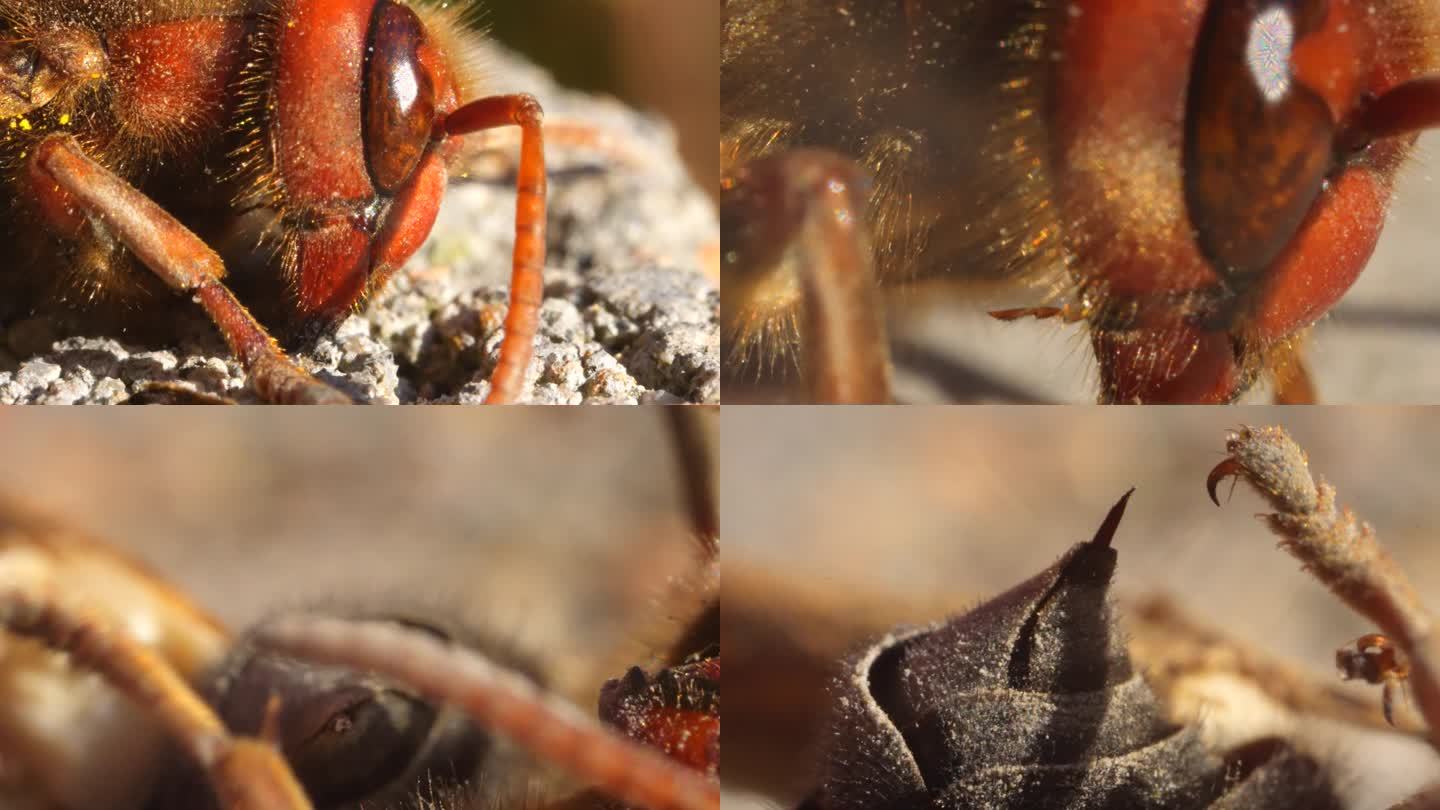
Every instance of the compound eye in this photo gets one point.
(348, 743)
(351, 737)
(1258, 142)
(399, 97)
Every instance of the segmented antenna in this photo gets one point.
(1337, 548)
(694, 451)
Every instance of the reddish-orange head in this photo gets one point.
(1230, 171)
(358, 157)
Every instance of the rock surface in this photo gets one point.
(631, 309)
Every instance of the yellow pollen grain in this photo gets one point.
(64, 119)
(25, 124)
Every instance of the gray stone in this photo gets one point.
(37, 373)
(109, 391)
(102, 356)
(77, 386)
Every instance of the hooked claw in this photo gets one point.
(1106, 532)
(1229, 468)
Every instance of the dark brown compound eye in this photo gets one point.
(353, 739)
(1258, 142)
(399, 97)
(349, 740)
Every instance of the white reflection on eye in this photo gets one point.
(406, 87)
(1272, 38)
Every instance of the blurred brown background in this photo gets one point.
(660, 55)
(923, 512)
(555, 530)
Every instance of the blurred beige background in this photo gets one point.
(949, 505)
(555, 530)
